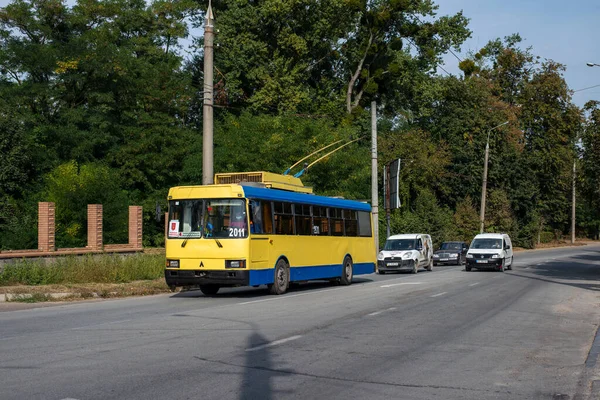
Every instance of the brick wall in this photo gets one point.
(135, 226)
(94, 226)
(46, 226)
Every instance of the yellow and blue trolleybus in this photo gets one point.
(258, 228)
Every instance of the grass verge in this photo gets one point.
(103, 268)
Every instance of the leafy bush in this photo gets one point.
(427, 217)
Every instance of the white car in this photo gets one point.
(407, 252)
(490, 251)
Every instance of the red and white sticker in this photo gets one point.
(174, 227)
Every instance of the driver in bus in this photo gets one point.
(238, 218)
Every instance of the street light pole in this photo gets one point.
(207, 108)
(484, 183)
(374, 188)
(592, 64)
(573, 206)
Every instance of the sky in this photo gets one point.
(565, 31)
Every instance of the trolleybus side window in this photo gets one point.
(267, 217)
(303, 219)
(364, 223)
(320, 221)
(350, 222)
(284, 218)
(336, 218)
(256, 219)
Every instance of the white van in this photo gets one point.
(490, 251)
(407, 252)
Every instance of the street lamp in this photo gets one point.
(592, 64)
(484, 183)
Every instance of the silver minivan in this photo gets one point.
(490, 251)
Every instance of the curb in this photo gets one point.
(11, 296)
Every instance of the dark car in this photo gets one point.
(451, 253)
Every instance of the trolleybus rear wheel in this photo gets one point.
(347, 271)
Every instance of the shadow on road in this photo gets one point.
(582, 271)
(258, 370)
(262, 291)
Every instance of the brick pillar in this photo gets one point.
(94, 226)
(46, 214)
(135, 226)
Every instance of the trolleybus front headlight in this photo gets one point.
(235, 263)
(172, 263)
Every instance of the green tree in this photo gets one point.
(329, 56)
(427, 216)
(466, 220)
(72, 187)
(589, 209)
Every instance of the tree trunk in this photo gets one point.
(349, 105)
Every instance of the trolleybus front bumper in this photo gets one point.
(206, 277)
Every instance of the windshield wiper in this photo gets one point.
(185, 241)
(219, 243)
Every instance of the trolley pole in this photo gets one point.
(374, 192)
(207, 93)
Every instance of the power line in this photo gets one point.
(440, 67)
(457, 57)
(591, 87)
(449, 49)
(416, 48)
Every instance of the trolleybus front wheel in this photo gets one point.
(280, 285)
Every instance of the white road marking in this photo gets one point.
(402, 283)
(379, 312)
(473, 284)
(275, 343)
(439, 294)
(287, 296)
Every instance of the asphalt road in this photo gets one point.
(447, 334)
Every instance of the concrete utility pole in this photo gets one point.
(374, 191)
(484, 188)
(207, 108)
(484, 183)
(573, 208)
